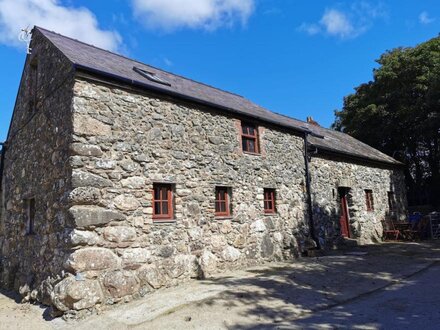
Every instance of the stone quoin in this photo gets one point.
(119, 179)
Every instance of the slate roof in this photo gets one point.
(107, 64)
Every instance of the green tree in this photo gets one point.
(399, 113)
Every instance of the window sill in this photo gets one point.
(224, 217)
(252, 153)
(163, 221)
(271, 214)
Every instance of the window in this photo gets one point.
(249, 138)
(162, 202)
(222, 202)
(391, 201)
(33, 85)
(30, 216)
(369, 199)
(269, 201)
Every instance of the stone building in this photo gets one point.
(120, 178)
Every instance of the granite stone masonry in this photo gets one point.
(83, 223)
(151, 140)
(331, 176)
(36, 168)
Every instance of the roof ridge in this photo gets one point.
(171, 73)
(137, 61)
(307, 123)
(199, 92)
(280, 114)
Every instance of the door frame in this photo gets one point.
(344, 215)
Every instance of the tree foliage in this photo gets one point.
(399, 113)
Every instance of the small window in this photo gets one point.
(151, 76)
(391, 201)
(269, 201)
(369, 200)
(222, 202)
(162, 202)
(30, 216)
(33, 85)
(249, 138)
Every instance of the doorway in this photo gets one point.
(344, 215)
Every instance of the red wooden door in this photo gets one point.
(343, 220)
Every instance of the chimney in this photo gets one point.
(311, 121)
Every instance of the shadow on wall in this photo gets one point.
(327, 226)
(363, 225)
(400, 190)
(292, 293)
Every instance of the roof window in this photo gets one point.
(151, 76)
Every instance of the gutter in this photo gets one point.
(364, 159)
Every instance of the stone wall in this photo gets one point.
(124, 142)
(36, 166)
(89, 153)
(330, 173)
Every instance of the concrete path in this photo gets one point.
(366, 288)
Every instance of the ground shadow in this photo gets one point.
(11, 294)
(292, 293)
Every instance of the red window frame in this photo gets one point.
(269, 201)
(369, 201)
(222, 198)
(249, 134)
(162, 195)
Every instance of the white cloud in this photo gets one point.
(310, 29)
(79, 23)
(169, 15)
(336, 23)
(366, 11)
(425, 19)
(345, 24)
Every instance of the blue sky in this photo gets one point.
(299, 58)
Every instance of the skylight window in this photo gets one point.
(151, 76)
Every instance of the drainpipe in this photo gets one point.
(309, 190)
